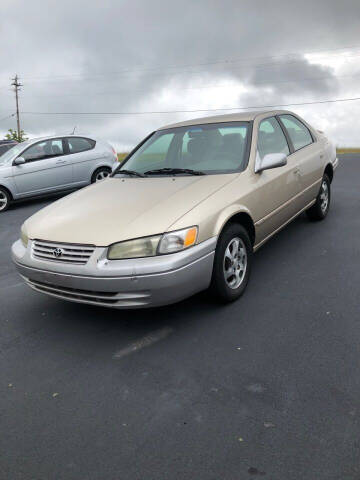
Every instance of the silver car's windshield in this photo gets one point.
(13, 152)
(196, 149)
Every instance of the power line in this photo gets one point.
(228, 85)
(8, 116)
(219, 61)
(195, 110)
(124, 72)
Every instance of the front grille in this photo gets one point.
(105, 299)
(62, 252)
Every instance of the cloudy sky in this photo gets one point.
(135, 56)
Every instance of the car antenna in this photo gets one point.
(72, 133)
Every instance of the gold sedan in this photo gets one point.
(183, 213)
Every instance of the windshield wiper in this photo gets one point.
(166, 171)
(130, 172)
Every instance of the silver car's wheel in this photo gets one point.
(101, 175)
(324, 196)
(4, 200)
(235, 263)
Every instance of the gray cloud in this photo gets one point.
(144, 56)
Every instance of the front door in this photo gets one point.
(278, 188)
(46, 169)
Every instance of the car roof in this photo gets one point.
(230, 117)
(8, 142)
(38, 139)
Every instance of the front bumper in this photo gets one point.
(132, 283)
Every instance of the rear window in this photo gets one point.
(80, 144)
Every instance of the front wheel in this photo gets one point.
(4, 199)
(232, 264)
(100, 174)
(321, 207)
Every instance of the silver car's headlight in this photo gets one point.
(140, 247)
(170, 242)
(23, 236)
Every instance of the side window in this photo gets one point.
(42, 150)
(271, 138)
(79, 144)
(298, 133)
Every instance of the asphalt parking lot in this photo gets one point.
(266, 387)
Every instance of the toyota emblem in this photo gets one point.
(57, 252)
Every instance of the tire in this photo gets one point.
(321, 207)
(231, 273)
(4, 199)
(100, 174)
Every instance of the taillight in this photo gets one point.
(114, 152)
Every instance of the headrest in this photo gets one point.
(48, 149)
(194, 145)
(56, 149)
(233, 140)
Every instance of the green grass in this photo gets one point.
(121, 156)
(348, 150)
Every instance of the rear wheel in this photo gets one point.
(232, 264)
(321, 207)
(4, 199)
(100, 174)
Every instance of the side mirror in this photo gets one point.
(19, 161)
(271, 160)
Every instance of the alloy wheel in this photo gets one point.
(324, 196)
(235, 263)
(3, 201)
(101, 175)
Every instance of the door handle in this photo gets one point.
(296, 170)
(59, 162)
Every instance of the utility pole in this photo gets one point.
(17, 86)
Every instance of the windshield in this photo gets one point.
(208, 148)
(13, 152)
(5, 147)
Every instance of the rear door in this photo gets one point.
(46, 168)
(83, 155)
(308, 153)
(277, 188)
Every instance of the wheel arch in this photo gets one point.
(242, 217)
(99, 167)
(329, 171)
(8, 191)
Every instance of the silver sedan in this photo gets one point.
(53, 164)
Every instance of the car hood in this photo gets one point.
(122, 208)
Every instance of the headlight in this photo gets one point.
(170, 242)
(179, 240)
(23, 236)
(140, 247)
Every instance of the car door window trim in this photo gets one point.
(305, 126)
(287, 136)
(258, 129)
(42, 158)
(91, 141)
